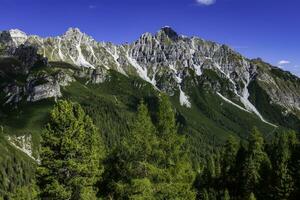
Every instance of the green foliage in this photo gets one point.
(252, 170)
(173, 156)
(226, 195)
(282, 182)
(28, 192)
(128, 175)
(256, 160)
(251, 196)
(16, 169)
(150, 164)
(71, 153)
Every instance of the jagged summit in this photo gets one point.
(16, 33)
(166, 60)
(14, 36)
(168, 31)
(72, 31)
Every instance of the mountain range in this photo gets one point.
(215, 90)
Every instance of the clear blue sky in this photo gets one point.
(269, 29)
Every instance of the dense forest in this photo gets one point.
(153, 161)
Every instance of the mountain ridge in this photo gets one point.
(162, 59)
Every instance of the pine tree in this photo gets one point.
(129, 165)
(149, 164)
(226, 195)
(251, 196)
(71, 154)
(228, 164)
(295, 168)
(256, 161)
(230, 151)
(282, 181)
(176, 176)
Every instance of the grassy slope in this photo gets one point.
(112, 105)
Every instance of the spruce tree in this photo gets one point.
(252, 196)
(226, 195)
(228, 164)
(295, 168)
(150, 164)
(71, 154)
(129, 164)
(175, 177)
(255, 162)
(282, 181)
(229, 154)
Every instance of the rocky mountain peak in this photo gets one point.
(14, 36)
(16, 33)
(73, 33)
(169, 32)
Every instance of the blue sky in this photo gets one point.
(269, 29)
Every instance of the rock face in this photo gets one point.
(37, 88)
(283, 90)
(166, 59)
(13, 37)
(44, 91)
(99, 75)
(29, 57)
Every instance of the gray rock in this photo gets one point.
(44, 91)
(99, 75)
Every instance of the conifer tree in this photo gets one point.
(228, 164)
(71, 154)
(226, 195)
(231, 148)
(252, 196)
(282, 181)
(255, 162)
(128, 176)
(176, 176)
(295, 168)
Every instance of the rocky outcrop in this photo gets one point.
(29, 57)
(37, 87)
(283, 90)
(63, 78)
(99, 75)
(44, 91)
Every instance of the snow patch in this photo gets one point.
(61, 56)
(143, 73)
(229, 101)
(245, 100)
(23, 143)
(95, 57)
(198, 70)
(184, 99)
(80, 59)
(245, 95)
(116, 56)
